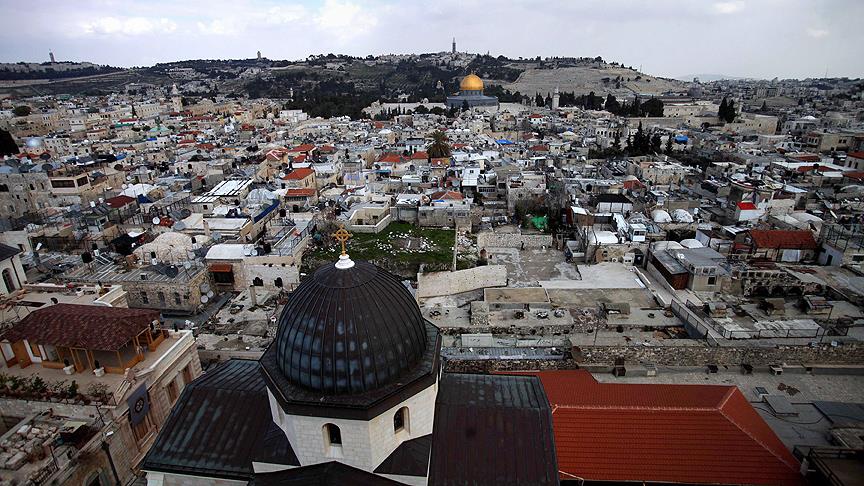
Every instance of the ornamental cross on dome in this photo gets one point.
(342, 235)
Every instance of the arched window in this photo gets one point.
(278, 282)
(8, 281)
(257, 282)
(332, 435)
(400, 420)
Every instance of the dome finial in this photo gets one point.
(342, 235)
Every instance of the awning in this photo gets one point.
(221, 267)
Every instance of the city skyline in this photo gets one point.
(760, 39)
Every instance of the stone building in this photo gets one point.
(369, 399)
(106, 417)
(471, 94)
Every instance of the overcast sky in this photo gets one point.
(759, 38)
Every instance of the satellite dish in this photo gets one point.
(172, 271)
(281, 175)
(179, 226)
(272, 318)
(204, 288)
(125, 186)
(156, 220)
(187, 265)
(205, 299)
(210, 294)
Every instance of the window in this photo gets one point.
(144, 298)
(177, 300)
(143, 429)
(62, 183)
(332, 435)
(171, 390)
(187, 374)
(400, 420)
(161, 296)
(712, 280)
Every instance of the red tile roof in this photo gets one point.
(857, 155)
(447, 196)
(697, 434)
(421, 155)
(633, 184)
(391, 158)
(306, 147)
(299, 174)
(93, 327)
(747, 206)
(119, 201)
(300, 192)
(539, 148)
(783, 239)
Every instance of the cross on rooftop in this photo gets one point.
(342, 235)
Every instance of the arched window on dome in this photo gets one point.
(400, 420)
(332, 440)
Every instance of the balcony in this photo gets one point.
(48, 381)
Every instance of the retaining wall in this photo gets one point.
(449, 283)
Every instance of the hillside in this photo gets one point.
(619, 81)
(343, 85)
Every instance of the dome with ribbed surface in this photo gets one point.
(349, 330)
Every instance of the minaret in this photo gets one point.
(555, 98)
(176, 99)
(51, 55)
(454, 45)
(259, 55)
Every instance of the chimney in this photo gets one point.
(253, 296)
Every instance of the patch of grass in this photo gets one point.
(389, 249)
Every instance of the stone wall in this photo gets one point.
(680, 356)
(512, 240)
(449, 283)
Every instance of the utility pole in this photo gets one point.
(455, 241)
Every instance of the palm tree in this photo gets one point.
(439, 147)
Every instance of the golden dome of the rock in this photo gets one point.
(472, 82)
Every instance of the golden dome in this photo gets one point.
(472, 82)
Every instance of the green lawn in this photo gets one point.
(390, 249)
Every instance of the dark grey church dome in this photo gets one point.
(349, 330)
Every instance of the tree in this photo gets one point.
(465, 105)
(636, 108)
(669, 140)
(655, 143)
(721, 112)
(653, 107)
(7, 143)
(612, 105)
(538, 100)
(439, 147)
(764, 107)
(730, 112)
(22, 110)
(640, 142)
(616, 141)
